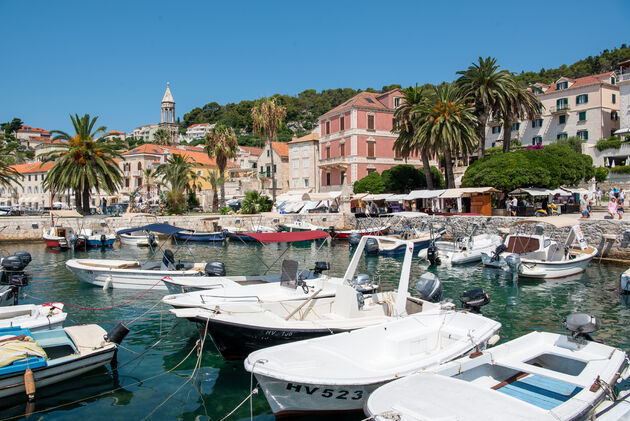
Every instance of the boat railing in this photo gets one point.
(232, 297)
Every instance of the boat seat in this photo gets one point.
(289, 276)
(151, 266)
(543, 392)
(555, 253)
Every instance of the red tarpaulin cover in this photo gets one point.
(287, 237)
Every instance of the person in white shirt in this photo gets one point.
(514, 205)
(598, 197)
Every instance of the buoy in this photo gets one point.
(29, 384)
(108, 283)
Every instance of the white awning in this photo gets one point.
(292, 197)
(376, 197)
(456, 193)
(396, 198)
(424, 194)
(533, 191)
(311, 204)
(576, 190)
(359, 196)
(559, 191)
(324, 196)
(625, 130)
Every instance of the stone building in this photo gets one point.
(280, 168)
(303, 159)
(167, 121)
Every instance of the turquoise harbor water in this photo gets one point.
(147, 386)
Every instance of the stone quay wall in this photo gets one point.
(612, 237)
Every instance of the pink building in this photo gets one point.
(356, 139)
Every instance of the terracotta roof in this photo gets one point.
(583, 81)
(281, 148)
(147, 148)
(115, 132)
(362, 100)
(308, 138)
(32, 129)
(199, 124)
(252, 150)
(193, 154)
(34, 167)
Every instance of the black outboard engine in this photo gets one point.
(215, 268)
(354, 239)
(429, 287)
(169, 258)
(152, 239)
(25, 256)
(320, 267)
(103, 239)
(371, 246)
(474, 299)
(433, 255)
(497, 252)
(581, 325)
(13, 264)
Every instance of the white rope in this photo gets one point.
(253, 392)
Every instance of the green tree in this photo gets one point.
(406, 121)
(267, 118)
(485, 85)
(517, 103)
(215, 182)
(11, 127)
(372, 183)
(254, 202)
(81, 163)
(176, 171)
(221, 144)
(601, 174)
(448, 126)
(162, 137)
(574, 143)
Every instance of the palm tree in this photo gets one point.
(519, 103)
(406, 121)
(215, 182)
(485, 85)
(448, 125)
(221, 144)
(177, 171)
(267, 117)
(162, 137)
(81, 163)
(8, 174)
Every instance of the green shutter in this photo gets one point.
(614, 98)
(582, 115)
(585, 98)
(585, 134)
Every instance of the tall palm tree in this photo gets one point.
(221, 144)
(448, 126)
(267, 117)
(81, 163)
(485, 85)
(519, 103)
(176, 171)
(8, 174)
(406, 120)
(215, 182)
(162, 137)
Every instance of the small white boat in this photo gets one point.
(97, 238)
(338, 372)
(239, 328)
(300, 225)
(52, 355)
(34, 317)
(137, 238)
(7, 295)
(540, 376)
(625, 282)
(466, 249)
(62, 238)
(617, 410)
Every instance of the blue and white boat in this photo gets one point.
(97, 238)
(540, 376)
(52, 356)
(420, 239)
(200, 236)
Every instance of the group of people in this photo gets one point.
(511, 205)
(616, 198)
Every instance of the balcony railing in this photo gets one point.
(624, 77)
(562, 108)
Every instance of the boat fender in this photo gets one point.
(108, 283)
(117, 334)
(493, 340)
(29, 384)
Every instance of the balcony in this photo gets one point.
(625, 77)
(337, 161)
(560, 109)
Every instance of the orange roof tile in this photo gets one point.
(281, 148)
(363, 100)
(308, 138)
(252, 150)
(32, 129)
(193, 154)
(583, 81)
(34, 167)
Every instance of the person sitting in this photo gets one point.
(612, 207)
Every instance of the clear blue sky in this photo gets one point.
(113, 58)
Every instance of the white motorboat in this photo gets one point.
(34, 317)
(338, 372)
(52, 355)
(62, 237)
(137, 238)
(286, 286)
(464, 250)
(239, 328)
(97, 238)
(300, 225)
(625, 282)
(7, 295)
(617, 410)
(540, 376)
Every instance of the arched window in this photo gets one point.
(139, 166)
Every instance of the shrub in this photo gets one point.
(547, 168)
(176, 202)
(254, 202)
(621, 169)
(225, 210)
(398, 179)
(372, 183)
(601, 173)
(573, 142)
(611, 143)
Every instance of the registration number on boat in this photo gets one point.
(326, 392)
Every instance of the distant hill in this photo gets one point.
(304, 108)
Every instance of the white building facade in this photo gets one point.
(303, 160)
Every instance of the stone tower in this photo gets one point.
(168, 114)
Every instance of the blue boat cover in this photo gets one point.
(165, 229)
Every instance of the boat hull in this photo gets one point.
(57, 244)
(345, 235)
(13, 384)
(237, 236)
(400, 250)
(135, 240)
(205, 237)
(96, 243)
(543, 270)
(236, 341)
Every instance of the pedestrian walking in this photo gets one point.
(598, 197)
(584, 207)
(514, 205)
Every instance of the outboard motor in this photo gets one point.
(25, 256)
(497, 252)
(320, 267)
(169, 258)
(13, 263)
(474, 299)
(73, 239)
(103, 239)
(371, 246)
(360, 300)
(433, 254)
(581, 325)
(215, 268)
(354, 239)
(429, 287)
(513, 261)
(361, 283)
(152, 239)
